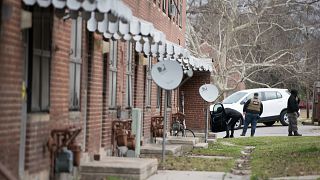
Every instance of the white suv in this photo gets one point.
(274, 104)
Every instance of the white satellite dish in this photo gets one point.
(209, 92)
(167, 74)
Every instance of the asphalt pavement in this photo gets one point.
(277, 130)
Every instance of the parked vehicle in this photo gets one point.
(303, 104)
(274, 104)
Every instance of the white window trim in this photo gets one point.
(148, 82)
(129, 75)
(75, 59)
(113, 74)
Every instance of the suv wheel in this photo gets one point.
(284, 118)
(238, 124)
(269, 123)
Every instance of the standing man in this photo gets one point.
(252, 111)
(293, 112)
(232, 117)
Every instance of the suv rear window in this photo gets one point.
(279, 95)
(269, 95)
(233, 98)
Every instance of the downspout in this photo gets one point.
(23, 122)
(85, 115)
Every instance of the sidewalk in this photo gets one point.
(194, 175)
(204, 175)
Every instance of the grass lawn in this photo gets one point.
(272, 157)
(197, 164)
(283, 156)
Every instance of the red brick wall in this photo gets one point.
(40, 125)
(11, 62)
(194, 104)
(38, 131)
(37, 153)
(94, 111)
(147, 10)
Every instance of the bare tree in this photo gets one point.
(262, 43)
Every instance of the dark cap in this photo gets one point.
(256, 94)
(294, 92)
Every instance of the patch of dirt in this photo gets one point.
(242, 166)
(227, 144)
(210, 157)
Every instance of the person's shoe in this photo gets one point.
(290, 134)
(226, 137)
(252, 135)
(231, 136)
(295, 133)
(242, 134)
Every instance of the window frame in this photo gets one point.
(113, 71)
(148, 83)
(76, 61)
(129, 75)
(169, 102)
(169, 2)
(40, 54)
(159, 97)
(164, 6)
(180, 14)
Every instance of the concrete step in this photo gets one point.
(201, 146)
(179, 140)
(212, 140)
(201, 136)
(155, 150)
(119, 167)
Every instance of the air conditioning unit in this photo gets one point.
(172, 10)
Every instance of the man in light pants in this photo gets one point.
(293, 113)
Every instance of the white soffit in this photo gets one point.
(116, 7)
(114, 19)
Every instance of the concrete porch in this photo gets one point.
(118, 167)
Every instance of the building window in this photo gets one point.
(169, 8)
(113, 74)
(75, 64)
(129, 75)
(159, 97)
(180, 14)
(164, 6)
(39, 68)
(0, 16)
(169, 94)
(148, 82)
(177, 6)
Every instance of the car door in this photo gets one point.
(282, 100)
(271, 104)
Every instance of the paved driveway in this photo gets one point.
(278, 130)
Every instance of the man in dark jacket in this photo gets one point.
(252, 111)
(231, 116)
(293, 112)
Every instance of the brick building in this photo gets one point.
(78, 63)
